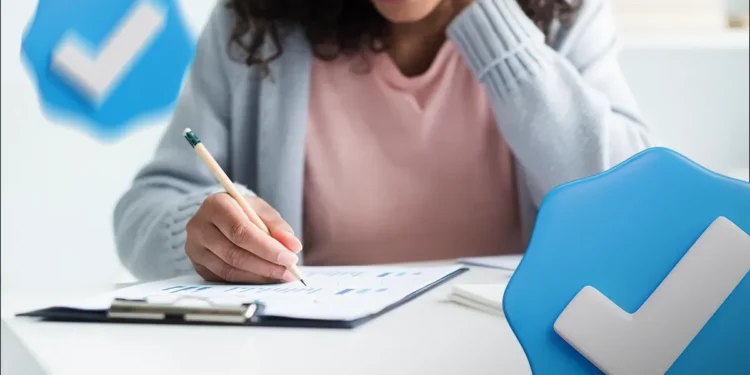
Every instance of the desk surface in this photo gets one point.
(426, 336)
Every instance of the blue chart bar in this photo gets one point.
(277, 289)
(362, 291)
(241, 289)
(173, 287)
(382, 290)
(384, 274)
(288, 290)
(201, 288)
(345, 291)
(401, 274)
(339, 273)
(182, 289)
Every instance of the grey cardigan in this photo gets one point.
(563, 107)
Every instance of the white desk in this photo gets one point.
(425, 336)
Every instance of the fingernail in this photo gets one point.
(287, 257)
(291, 241)
(287, 276)
(297, 245)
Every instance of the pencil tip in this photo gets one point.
(303, 282)
(187, 130)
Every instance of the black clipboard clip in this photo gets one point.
(198, 310)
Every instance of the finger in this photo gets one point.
(205, 273)
(212, 268)
(234, 224)
(193, 250)
(279, 228)
(216, 267)
(289, 240)
(269, 215)
(242, 259)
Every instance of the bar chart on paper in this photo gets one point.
(336, 293)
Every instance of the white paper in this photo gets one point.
(485, 297)
(332, 293)
(505, 262)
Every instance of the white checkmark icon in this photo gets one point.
(96, 74)
(650, 340)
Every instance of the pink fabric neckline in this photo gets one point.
(387, 71)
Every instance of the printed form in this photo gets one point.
(332, 293)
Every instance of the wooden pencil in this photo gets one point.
(232, 190)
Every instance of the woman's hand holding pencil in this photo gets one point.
(239, 239)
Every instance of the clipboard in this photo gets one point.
(142, 311)
(134, 311)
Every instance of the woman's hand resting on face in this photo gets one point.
(224, 245)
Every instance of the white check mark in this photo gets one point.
(649, 341)
(97, 74)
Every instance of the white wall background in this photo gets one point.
(737, 6)
(694, 93)
(59, 185)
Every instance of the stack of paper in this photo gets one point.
(645, 16)
(503, 262)
(483, 297)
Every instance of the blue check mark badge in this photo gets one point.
(107, 66)
(650, 340)
(96, 73)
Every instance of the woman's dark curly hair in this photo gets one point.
(346, 25)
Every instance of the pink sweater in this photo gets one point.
(405, 169)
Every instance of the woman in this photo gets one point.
(382, 130)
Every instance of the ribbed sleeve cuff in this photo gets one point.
(177, 219)
(500, 43)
